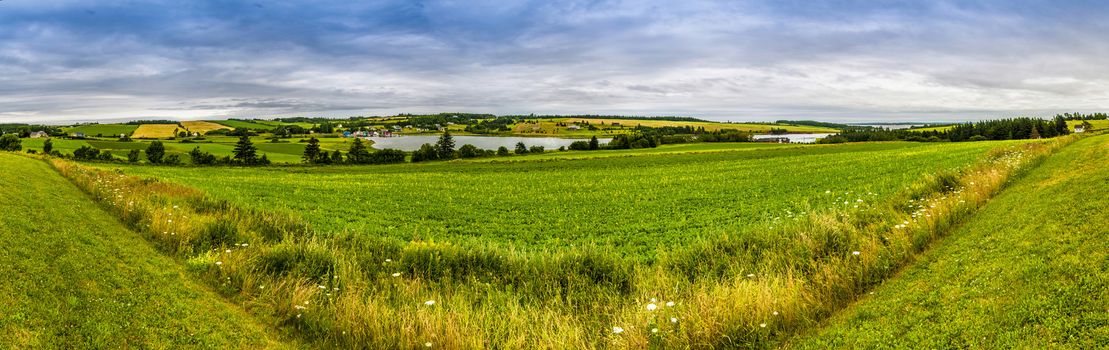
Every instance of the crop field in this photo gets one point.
(202, 127)
(156, 131)
(688, 195)
(1028, 271)
(131, 297)
(730, 248)
(107, 130)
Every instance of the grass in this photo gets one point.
(76, 278)
(107, 130)
(736, 276)
(705, 147)
(156, 131)
(1029, 271)
(201, 127)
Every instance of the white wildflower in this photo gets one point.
(651, 307)
(429, 302)
(617, 329)
(670, 304)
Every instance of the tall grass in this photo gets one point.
(736, 289)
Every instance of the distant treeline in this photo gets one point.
(156, 121)
(1080, 116)
(815, 123)
(1001, 129)
(25, 130)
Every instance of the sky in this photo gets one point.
(852, 61)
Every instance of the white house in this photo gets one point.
(573, 127)
(1079, 128)
(38, 134)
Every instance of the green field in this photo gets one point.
(77, 278)
(107, 130)
(1029, 271)
(245, 124)
(597, 201)
(1097, 124)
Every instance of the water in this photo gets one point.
(412, 143)
(795, 138)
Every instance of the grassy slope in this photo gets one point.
(156, 131)
(1097, 124)
(245, 124)
(636, 203)
(1030, 270)
(76, 278)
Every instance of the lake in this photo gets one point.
(412, 143)
(795, 138)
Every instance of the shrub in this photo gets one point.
(11, 143)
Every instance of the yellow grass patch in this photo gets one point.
(201, 126)
(156, 131)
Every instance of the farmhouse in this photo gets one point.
(38, 134)
(1079, 128)
(573, 127)
(79, 135)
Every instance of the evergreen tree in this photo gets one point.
(337, 157)
(312, 151)
(325, 158)
(47, 146)
(594, 144)
(445, 146)
(502, 151)
(358, 154)
(521, 148)
(155, 152)
(245, 151)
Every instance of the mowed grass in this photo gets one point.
(202, 127)
(107, 130)
(156, 131)
(637, 205)
(1030, 270)
(688, 148)
(76, 278)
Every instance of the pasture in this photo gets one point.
(253, 125)
(106, 130)
(156, 131)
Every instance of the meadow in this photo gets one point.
(201, 127)
(701, 250)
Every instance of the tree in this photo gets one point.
(502, 151)
(105, 156)
(11, 142)
(325, 158)
(337, 157)
(201, 158)
(245, 151)
(312, 151)
(133, 156)
(172, 159)
(47, 146)
(425, 153)
(445, 146)
(521, 148)
(387, 156)
(594, 144)
(86, 153)
(155, 152)
(468, 151)
(358, 153)
(536, 149)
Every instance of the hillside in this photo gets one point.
(1029, 271)
(76, 278)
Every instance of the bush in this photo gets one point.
(387, 156)
(11, 143)
(977, 138)
(536, 149)
(502, 151)
(298, 261)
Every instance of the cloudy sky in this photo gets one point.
(727, 60)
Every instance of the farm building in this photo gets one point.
(79, 134)
(38, 134)
(1079, 128)
(573, 127)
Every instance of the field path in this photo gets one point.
(74, 277)
(1030, 270)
